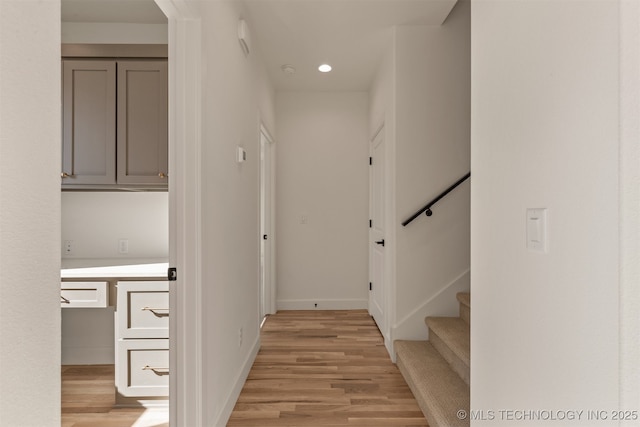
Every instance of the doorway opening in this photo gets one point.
(117, 231)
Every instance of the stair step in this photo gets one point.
(464, 298)
(439, 391)
(451, 336)
(465, 306)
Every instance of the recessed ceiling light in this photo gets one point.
(324, 68)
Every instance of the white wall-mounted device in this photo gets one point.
(537, 230)
(241, 155)
(243, 36)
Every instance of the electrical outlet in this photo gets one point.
(240, 337)
(123, 246)
(67, 247)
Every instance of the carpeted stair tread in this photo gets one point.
(455, 333)
(439, 391)
(464, 298)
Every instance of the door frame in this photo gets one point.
(186, 393)
(268, 280)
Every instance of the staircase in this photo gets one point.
(437, 370)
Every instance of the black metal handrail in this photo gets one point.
(427, 208)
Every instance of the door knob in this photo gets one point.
(380, 242)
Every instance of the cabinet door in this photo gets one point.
(143, 309)
(89, 122)
(142, 368)
(142, 122)
(84, 294)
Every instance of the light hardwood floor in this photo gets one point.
(88, 396)
(324, 368)
(314, 368)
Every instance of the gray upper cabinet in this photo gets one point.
(142, 122)
(114, 124)
(89, 122)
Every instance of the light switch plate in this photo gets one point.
(123, 246)
(241, 155)
(537, 230)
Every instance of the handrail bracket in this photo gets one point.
(426, 209)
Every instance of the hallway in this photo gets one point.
(324, 368)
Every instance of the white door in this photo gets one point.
(377, 231)
(266, 230)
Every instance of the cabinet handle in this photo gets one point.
(163, 175)
(64, 300)
(156, 370)
(64, 175)
(154, 310)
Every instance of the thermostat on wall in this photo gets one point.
(241, 155)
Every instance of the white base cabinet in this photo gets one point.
(142, 368)
(142, 340)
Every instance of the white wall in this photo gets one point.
(322, 175)
(236, 98)
(382, 93)
(96, 221)
(432, 87)
(113, 33)
(629, 204)
(29, 213)
(545, 135)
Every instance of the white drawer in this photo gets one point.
(143, 309)
(142, 368)
(84, 294)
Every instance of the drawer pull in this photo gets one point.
(156, 370)
(156, 310)
(64, 300)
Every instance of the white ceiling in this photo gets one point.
(351, 35)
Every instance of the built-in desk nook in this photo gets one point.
(136, 298)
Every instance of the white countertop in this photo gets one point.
(158, 270)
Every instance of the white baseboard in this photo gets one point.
(88, 355)
(232, 397)
(322, 304)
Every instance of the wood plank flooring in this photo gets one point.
(88, 396)
(324, 368)
(315, 368)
